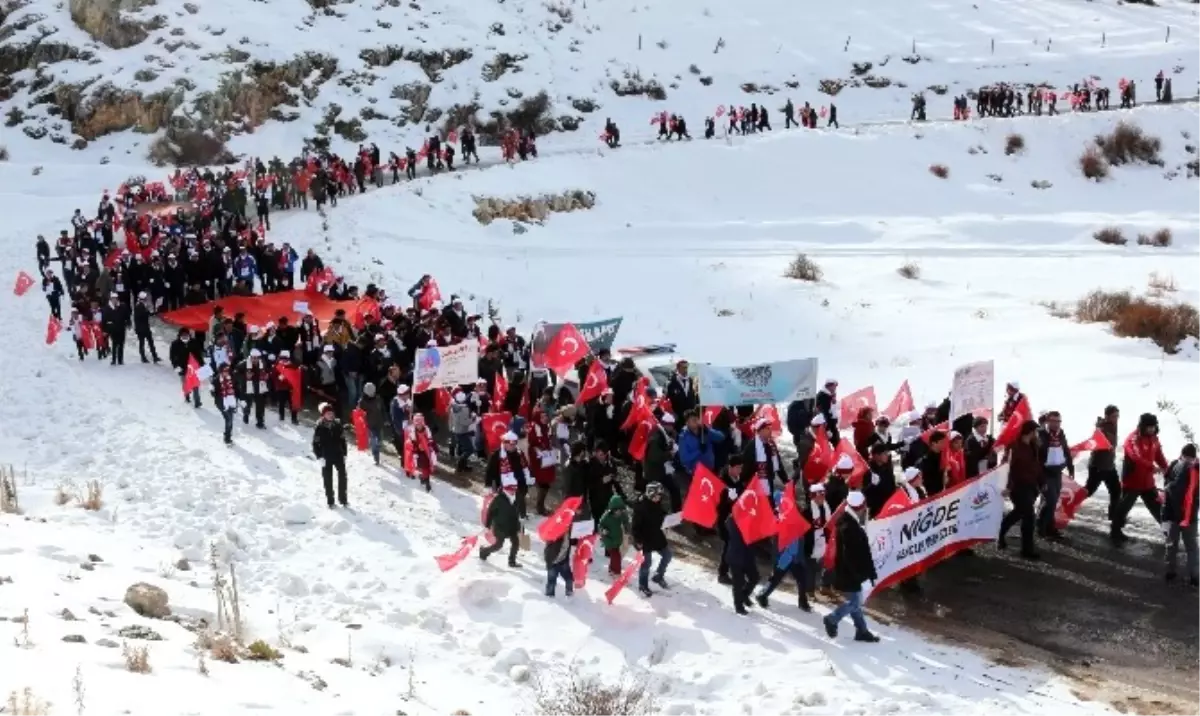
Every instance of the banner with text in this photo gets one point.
(598, 334)
(907, 543)
(779, 382)
(446, 366)
(973, 390)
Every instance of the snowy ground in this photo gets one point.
(678, 234)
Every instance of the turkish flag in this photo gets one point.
(91, 335)
(769, 413)
(114, 255)
(626, 575)
(1069, 499)
(641, 437)
(753, 516)
(501, 388)
(24, 283)
(1189, 498)
(557, 524)
(494, 425)
(710, 414)
(792, 525)
(898, 502)
(928, 434)
(845, 447)
(453, 136)
(1098, 441)
(829, 561)
(700, 507)
(954, 463)
(367, 307)
(641, 404)
(901, 404)
(53, 328)
(565, 349)
(291, 375)
(441, 402)
(582, 558)
(430, 294)
(594, 384)
(318, 280)
(821, 459)
(447, 562)
(1012, 428)
(191, 381)
(359, 418)
(854, 402)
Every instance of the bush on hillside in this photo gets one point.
(1110, 235)
(1093, 164)
(1128, 144)
(1166, 324)
(186, 147)
(1014, 143)
(941, 171)
(910, 269)
(3, 153)
(802, 268)
(1159, 239)
(578, 694)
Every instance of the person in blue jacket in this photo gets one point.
(288, 258)
(696, 443)
(244, 270)
(790, 561)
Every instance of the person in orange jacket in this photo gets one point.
(1143, 457)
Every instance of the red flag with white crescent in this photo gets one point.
(753, 515)
(626, 575)
(854, 402)
(582, 558)
(700, 506)
(53, 328)
(792, 525)
(557, 524)
(24, 283)
(641, 404)
(594, 384)
(494, 425)
(447, 562)
(1012, 427)
(898, 502)
(901, 404)
(565, 349)
(1098, 441)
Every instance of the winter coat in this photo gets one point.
(373, 412)
(659, 451)
(1105, 460)
(1178, 482)
(827, 405)
(141, 319)
(697, 447)
(879, 485)
(737, 553)
(178, 355)
(1023, 467)
(681, 391)
(501, 517)
(329, 440)
(979, 454)
(400, 412)
(647, 530)
(557, 551)
(516, 463)
(461, 420)
(613, 523)
(853, 564)
(1142, 454)
(602, 485)
(114, 319)
(931, 469)
(539, 445)
(1044, 442)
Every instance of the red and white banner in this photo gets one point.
(908, 542)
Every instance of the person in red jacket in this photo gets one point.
(1143, 457)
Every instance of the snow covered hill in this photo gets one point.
(101, 74)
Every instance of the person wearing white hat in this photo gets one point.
(420, 451)
(1012, 397)
(254, 379)
(853, 565)
(818, 513)
(508, 466)
(837, 484)
(502, 518)
(400, 411)
(329, 447)
(142, 310)
(912, 483)
(762, 459)
(658, 463)
(462, 432)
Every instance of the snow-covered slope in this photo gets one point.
(388, 70)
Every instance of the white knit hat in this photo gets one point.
(844, 463)
(855, 499)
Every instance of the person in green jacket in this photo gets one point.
(505, 524)
(613, 525)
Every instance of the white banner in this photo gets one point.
(906, 543)
(446, 366)
(973, 390)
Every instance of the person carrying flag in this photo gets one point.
(854, 566)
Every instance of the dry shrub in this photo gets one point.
(262, 651)
(3, 153)
(182, 147)
(1165, 324)
(1128, 144)
(910, 269)
(941, 171)
(94, 499)
(803, 268)
(221, 647)
(137, 658)
(10, 502)
(1110, 235)
(25, 704)
(1160, 283)
(63, 493)
(1160, 239)
(1014, 143)
(1093, 165)
(577, 694)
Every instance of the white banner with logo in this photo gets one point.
(446, 366)
(973, 390)
(906, 543)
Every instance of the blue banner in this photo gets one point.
(779, 382)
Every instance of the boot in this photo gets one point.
(762, 600)
(865, 636)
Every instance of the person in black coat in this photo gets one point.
(602, 482)
(681, 391)
(826, 404)
(508, 460)
(881, 479)
(53, 289)
(141, 327)
(930, 463)
(114, 320)
(329, 446)
(1102, 464)
(980, 451)
(1179, 512)
(741, 560)
(734, 484)
(648, 537)
(178, 354)
(853, 565)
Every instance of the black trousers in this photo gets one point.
(116, 344)
(1023, 498)
(260, 409)
(327, 478)
(147, 340)
(745, 579)
(1128, 498)
(514, 546)
(1111, 481)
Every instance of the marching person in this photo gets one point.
(1102, 464)
(372, 409)
(1179, 513)
(142, 310)
(225, 396)
(790, 561)
(256, 388)
(742, 566)
(1054, 454)
(854, 565)
(329, 446)
(648, 537)
(503, 520)
(1143, 457)
(1024, 479)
